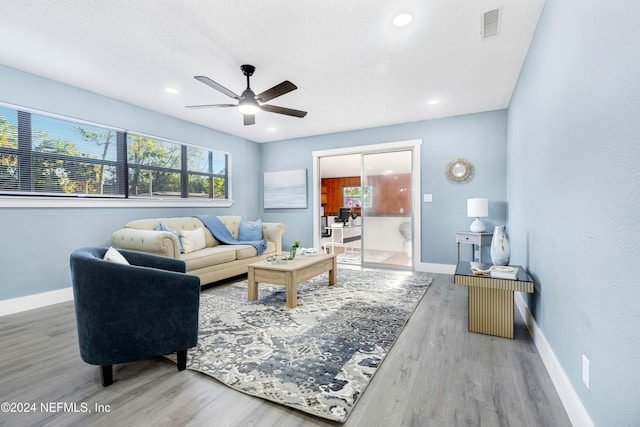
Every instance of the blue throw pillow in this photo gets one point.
(162, 227)
(250, 232)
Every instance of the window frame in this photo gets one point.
(365, 193)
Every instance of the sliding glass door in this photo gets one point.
(375, 189)
(387, 209)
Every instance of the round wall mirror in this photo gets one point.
(459, 171)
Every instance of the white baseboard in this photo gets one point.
(436, 268)
(17, 305)
(572, 403)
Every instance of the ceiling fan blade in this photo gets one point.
(216, 86)
(276, 91)
(283, 110)
(210, 106)
(249, 119)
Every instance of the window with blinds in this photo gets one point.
(45, 155)
(8, 150)
(165, 169)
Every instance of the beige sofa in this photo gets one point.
(216, 261)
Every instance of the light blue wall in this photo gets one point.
(574, 195)
(480, 138)
(35, 243)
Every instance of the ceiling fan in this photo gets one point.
(249, 103)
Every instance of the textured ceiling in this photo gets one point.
(353, 68)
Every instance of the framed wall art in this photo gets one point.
(285, 189)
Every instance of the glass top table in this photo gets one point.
(491, 299)
(463, 268)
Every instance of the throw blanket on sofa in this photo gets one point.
(222, 233)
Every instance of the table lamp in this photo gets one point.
(478, 208)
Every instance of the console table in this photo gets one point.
(491, 299)
(476, 239)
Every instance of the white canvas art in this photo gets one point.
(285, 189)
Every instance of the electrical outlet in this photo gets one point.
(427, 198)
(585, 370)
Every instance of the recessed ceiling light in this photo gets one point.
(402, 20)
(434, 102)
(272, 128)
(171, 90)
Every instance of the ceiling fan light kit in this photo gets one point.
(249, 104)
(249, 107)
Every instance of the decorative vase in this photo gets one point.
(500, 251)
(292, 252)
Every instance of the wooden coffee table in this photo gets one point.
(290, 273)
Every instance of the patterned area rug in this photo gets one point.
(318, 357)
(370, 255)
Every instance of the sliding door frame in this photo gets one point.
(413, 145)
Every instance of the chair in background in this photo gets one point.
(325, 232)
(324, 224)
(126, 313)
(405, 232)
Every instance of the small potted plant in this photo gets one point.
(294, 248)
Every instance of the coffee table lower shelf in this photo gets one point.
(290, 274)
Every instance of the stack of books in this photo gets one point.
(498, 272)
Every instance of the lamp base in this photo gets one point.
(477, 226)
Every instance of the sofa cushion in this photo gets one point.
(249, 251)
(209, 256)
(249, 232)
(245, 251)
(193, 240)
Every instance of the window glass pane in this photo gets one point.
(51, 135)
(220, 188)
(200, 186)
(8, 172)
(66, 157)
(198, 160)
(142, 150)
(145, 182)
(71, 177)
(8, 128)
(219, 163)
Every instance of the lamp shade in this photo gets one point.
(477, 207)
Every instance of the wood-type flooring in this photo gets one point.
(436, 374)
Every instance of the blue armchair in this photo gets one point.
(126, 313)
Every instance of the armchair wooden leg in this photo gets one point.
(106, 375)
(182, 360)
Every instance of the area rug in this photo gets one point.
(370, 255)
(318, 357)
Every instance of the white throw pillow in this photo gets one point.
(114, 256)
(193, 240)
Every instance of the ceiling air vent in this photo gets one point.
(490, 23)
